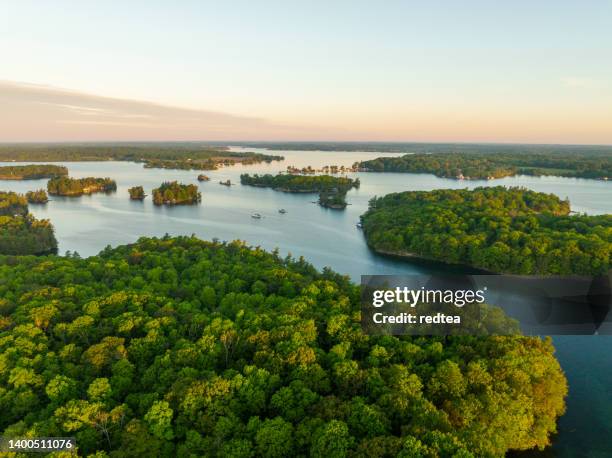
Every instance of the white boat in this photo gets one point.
(256, 216)
(359, 225)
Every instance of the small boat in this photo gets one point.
(283, 211)
(359, 225)
(256, 216)
(226, 183)
(202, 177)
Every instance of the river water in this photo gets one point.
(325, 238)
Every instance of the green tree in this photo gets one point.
(332, 440)
(159, 419)
(274, 438)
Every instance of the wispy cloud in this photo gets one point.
(31, 112)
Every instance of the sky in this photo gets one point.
(464, 71)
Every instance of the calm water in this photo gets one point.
(325, 238)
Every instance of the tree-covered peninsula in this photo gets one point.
(20, 232)
(211, 161)
(137, 193)
(506, 230)
(72, 187)
(186, 156)
(174, 193)
(37, 197)
(332, 190)
(473, 165)
(32, 171)
(179, 347)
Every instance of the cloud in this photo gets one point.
(30, 112)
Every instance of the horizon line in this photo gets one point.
(277, 142)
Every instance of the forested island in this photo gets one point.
(13, 204)
(31, 172)
(186, 156)
(333, 198)
(298, 183)
(73, 187)
(505, 230)
(20, 232)
(137, 193)
(37, 197)
(174, 193)
(332, 190)
(498, 165)
(179, 347)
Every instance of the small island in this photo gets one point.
(334, 199)
(20, 232)
(74, 187)
(137, 193)
(32, 171)
(202, 177)
(37, 197)
(332, 190)
(498, 229)
(174, 193)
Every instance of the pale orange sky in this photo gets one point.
(42, 113)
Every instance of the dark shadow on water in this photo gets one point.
(432, 266)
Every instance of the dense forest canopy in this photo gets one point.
(474, 165)
(174, 193)
(65, 186)
(187, 156)
(510, 230)
(179, 347)
(20, 232)
(31, 171)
